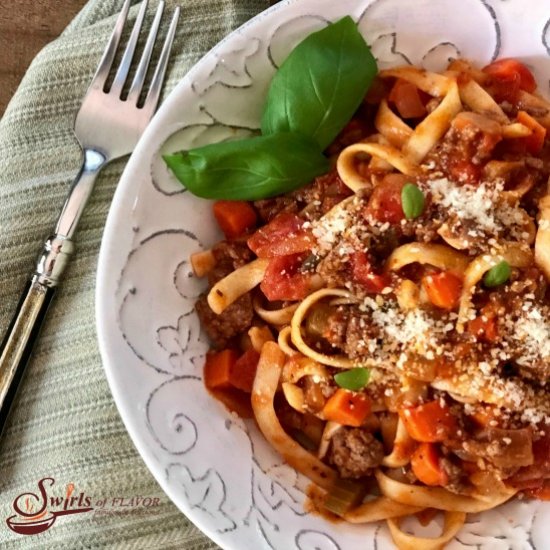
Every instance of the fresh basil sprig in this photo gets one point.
(353, 379)
(249, 169)
(321, 84)
(312, 97)
(497, 275)
(412, 201)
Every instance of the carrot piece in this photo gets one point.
(426, 466)
(431, 422)
(443, 289)
(243, 371)
(535, 141)
(218, 367)
(347, 408)
(406, 98)
(483, 415)
(235, 218)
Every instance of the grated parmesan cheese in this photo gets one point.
(480, 205)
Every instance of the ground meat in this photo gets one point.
(355, 452)
(229, 255)
(269, 208)
(359, 330)
(335, 331)
(422, 229)
(334, 269)
(312, 201)
(234, 320)
(307, 196)
(457, 481)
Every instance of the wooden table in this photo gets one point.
(25, 27)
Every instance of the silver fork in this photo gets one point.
(107, 128)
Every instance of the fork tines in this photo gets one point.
(106, 64)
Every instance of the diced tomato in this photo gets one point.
(443, 289)
(243, 371)
(218, 367)
(484, 326)
(464, 171)
(540, 493)
(511, 73)
(235, 218)
(507, 78)
(431, 422)
(363, 273)
(534, 142)
(284, 235)
(474, 127)
(426, 465)
(347, 408)
(406, 98)
(385, 202)
(284, 281)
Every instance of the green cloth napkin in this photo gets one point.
(65, 424)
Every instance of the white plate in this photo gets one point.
(215, 467)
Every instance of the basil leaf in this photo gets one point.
(320, 84)
(412, 201)
(497, 275)
(249, 169)
(353, 379)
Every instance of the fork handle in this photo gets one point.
(19, 341)
(30, 314)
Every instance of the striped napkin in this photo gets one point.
(65, 425)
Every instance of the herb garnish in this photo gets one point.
(412, 201)
(353, 379)
(497, 275)
(311, 98)
(249, 169)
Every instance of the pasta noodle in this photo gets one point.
(432, 128)
(391, 321)
(515, 255)
(453, 522)
(237, 283)
(542, 244)
(265, 385)
(346, 162)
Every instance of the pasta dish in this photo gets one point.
(388, 325)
